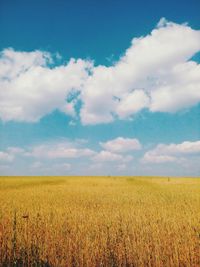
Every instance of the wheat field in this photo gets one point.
(99, 221)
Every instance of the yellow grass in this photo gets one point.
(99, 221)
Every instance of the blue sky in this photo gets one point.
(99, 87)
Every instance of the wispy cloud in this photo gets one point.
(59, 150)
(107, 156)
(6, 157)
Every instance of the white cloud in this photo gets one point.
(181, 89)
(15, 63)
(59, 150)
(30, 89)
(9, 154)
(107, 156)
(6, 157)
(150, 157)
(155, 73)
(121, 145)
(163, 22)
(63, 157)
(15, 150)
(172, 152)
(132, 103)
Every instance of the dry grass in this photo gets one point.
(99, 221)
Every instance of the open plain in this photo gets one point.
(99, 221)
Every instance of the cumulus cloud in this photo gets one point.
(156, 72)
(172, 152)
(181, 89)
(116, 150)
(132, 103)
(31, 89)
(121, 145)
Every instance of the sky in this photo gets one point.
(100, 87)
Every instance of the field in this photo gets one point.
(99, 221)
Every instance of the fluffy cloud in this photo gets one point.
(172, 152)
(181, 89)
(155, 73)
(113, 150)
(31, 89)
(132, 103)
(121, 145)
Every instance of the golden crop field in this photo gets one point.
(99, 221)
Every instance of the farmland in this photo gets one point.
(99, 221)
